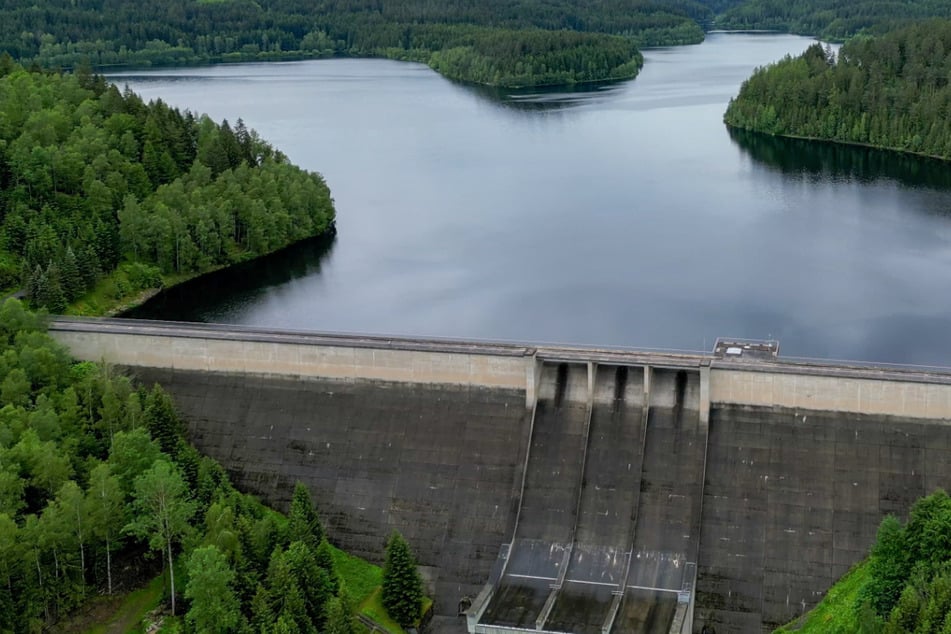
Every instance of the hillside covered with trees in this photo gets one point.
(830, 19)
(97, 185)
(97, 480)
(890, 91)
(550, 41)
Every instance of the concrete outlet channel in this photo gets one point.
(568, 490)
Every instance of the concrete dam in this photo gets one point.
(557, 489)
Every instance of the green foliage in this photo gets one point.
(315, 583)
(214, 606)
(499, 57)
(94, 182)
(337, 619)
(303, 522)
(889, 568)
(829, 19)
(169, 32)
(286, 598)
(162, 422)
(83, 485)
(360, 578)
(835, 614)
(402, 586)
(161, 512)
(890, 91)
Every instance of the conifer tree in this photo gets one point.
(303, 523)
(336, 618)
(402, 585)
(162, 421)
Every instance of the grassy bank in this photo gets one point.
(364, 583)
(835, 614)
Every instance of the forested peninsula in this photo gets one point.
(494, 42)
(102, 192)
(890, 91)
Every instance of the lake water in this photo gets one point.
(626, 215)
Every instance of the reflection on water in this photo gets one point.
(228, 290)
(545, 99)
(842, 162)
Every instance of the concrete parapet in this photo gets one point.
(861, 392)
(214, 348)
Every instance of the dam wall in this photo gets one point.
(233, 349)
(859, 390)
(764, 480)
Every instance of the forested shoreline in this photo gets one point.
(100, 190)
(487, 44)
(494, 42)
(830, 20)
(890, 92)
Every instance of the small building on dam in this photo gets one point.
(574, 490)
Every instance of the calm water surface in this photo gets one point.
(622, 216)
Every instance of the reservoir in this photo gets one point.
(619, 215)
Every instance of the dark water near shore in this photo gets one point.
(624, 215)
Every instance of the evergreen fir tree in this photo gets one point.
(402, 585)
(336, 618)
(303, 522)
(325, 560)
(162, 422)
(70, 278)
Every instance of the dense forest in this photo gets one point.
(96, 478)
(830, 19)
(584, 41)
(503, 58)
(890, 91)
(96, 183)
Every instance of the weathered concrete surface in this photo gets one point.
(669, 508)
(547, 514)
(214, 348)
(862, 391)
(441, 464)
(608, 502)
(794, 498)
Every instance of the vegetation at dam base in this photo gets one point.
(903, 587)
(97, 185)
(889, 92)
(99, 490)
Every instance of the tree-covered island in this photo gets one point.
(890, 91)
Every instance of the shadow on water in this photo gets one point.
(221, 292)
(832, 161)
(544, 99)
